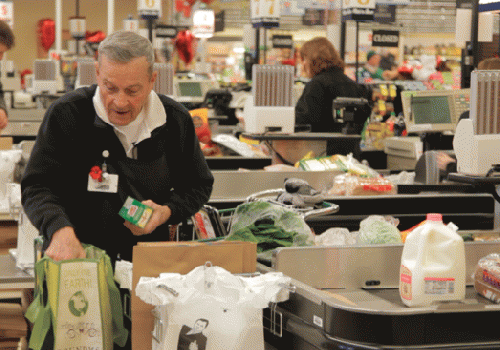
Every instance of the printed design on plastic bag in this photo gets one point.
(78, 304)
(193, 338)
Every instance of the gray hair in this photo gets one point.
(124, 46)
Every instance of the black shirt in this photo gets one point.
(315, 105)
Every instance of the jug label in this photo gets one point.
(440, 286)
(405, 283)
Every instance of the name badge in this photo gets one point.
(109, 184)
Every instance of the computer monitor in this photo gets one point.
(434, 110)
(190, 90)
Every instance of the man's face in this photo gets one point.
(199, 325)
(375, 60)
(3, 49)
(124, 88)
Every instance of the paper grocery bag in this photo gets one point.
(151, 259)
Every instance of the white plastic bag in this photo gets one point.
(209, 308)
(8, 161)
(336, 236)
(377, 229)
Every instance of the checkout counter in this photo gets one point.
(23, 123)
(348, 298)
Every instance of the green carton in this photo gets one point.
(136, 212)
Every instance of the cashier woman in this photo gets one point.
(98, 145)
(324, 66)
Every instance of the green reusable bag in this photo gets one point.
(79, 300)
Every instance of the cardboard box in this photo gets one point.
(8, 236)
(151, 259)
(12, 322)
(6, 143)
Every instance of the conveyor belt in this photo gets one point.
(351, 323)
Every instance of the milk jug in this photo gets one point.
(432, 264)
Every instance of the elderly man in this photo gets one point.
(99, 145)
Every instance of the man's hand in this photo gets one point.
(443, 159)
(3, 119)
(65, 245)
(161, 213)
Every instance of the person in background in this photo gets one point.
(101, 144)
(323, 65)
(371, 69)
(445, 163)
(442, 65)
(387, 61)
(7, 42)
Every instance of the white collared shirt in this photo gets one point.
(150, 117)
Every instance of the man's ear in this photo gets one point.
(154, 76)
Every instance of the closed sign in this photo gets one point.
(385, 38)
(282, 41)
(164, 31)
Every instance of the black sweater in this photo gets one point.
(170, 169)
(315, 105)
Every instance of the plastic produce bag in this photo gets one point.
(270, 226)
(336, 236)
(355, 185)
(8, 161)
(209, 308)
(377, 229)
(79, 300)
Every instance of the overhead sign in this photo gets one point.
(282, 41)
(358, 10)
(385, 38)
(149, 8)
(384, 13)
(165, 31)
(393, 2)
(131, 24)
(7, 12)
(265, 13)
(319, 4)
(203, 23)
(77, 27)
